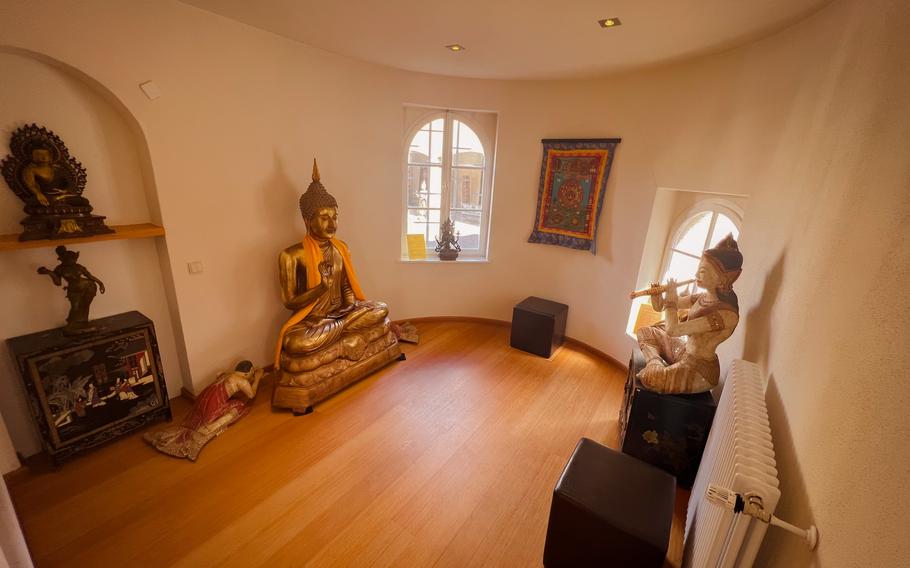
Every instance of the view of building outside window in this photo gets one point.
(439, 188)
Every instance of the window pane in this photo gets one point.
(466, 147)
(417, 221)
(419, 152)
(723, 227)
(418, 185)
(682, 267)
(435, 186)
(467, 225)
(694, 234)
(425, 222)
(467, 188)
(436, 147)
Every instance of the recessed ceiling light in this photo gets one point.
(609, 22)
(455, 47)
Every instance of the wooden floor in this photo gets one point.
(446, 459)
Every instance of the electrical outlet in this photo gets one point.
(194, 267)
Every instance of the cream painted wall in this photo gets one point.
(806, 122)
(98, 136)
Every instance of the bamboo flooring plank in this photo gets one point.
(448, 458)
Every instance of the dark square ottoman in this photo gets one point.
(538, 325)
(609, 509)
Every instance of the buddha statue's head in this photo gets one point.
(720, 266)
(319, 209)
(41, 156)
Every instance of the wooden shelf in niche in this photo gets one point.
(140, 231)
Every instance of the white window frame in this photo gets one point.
(713, 206)
(487, 140)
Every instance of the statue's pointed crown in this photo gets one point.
(315, 197)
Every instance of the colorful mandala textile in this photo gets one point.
(573, 180)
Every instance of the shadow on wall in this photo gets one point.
(786, 549)
(281, 201)
(757, 341)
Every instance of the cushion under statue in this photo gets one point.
(336, 336)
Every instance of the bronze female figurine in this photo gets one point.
(81, 287)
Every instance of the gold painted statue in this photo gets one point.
(335, 336)
(680, 352)
(215, 408)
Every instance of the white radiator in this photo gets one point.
(739, 456)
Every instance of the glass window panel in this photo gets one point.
(436, 147)
(682, 267)
(418, 178)
(432, 234)
(723, 227)
(420, 148)
(435, 185)
(437, 124)
(435, 200)
(466, 147)
(417, 221)
(467, 226)
(467, 188)
(694, 234)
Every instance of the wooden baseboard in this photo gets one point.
(185, 393)
(570, 340)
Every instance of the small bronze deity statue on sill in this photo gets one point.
(335, 335)
(447, 248)
(50, 182)
(81, 287)
(680, 352)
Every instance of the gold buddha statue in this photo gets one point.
(335, 336)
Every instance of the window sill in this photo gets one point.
(430, 260)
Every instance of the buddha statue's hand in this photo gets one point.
(327, 273)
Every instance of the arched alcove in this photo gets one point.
(105, 137)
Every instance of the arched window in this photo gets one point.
(701, 228)
(449, 158)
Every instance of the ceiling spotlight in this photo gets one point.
(609, 22)
(455, 47)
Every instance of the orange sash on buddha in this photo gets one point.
(313, 255)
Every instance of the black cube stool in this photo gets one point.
(609, 509)
(669, 431)
(538, 325)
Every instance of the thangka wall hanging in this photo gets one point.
(573, 180)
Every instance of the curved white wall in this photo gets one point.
(805, 122)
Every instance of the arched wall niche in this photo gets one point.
(103, 134)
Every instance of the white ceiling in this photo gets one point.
(517, 39)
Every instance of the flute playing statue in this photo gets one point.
(680, 352)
